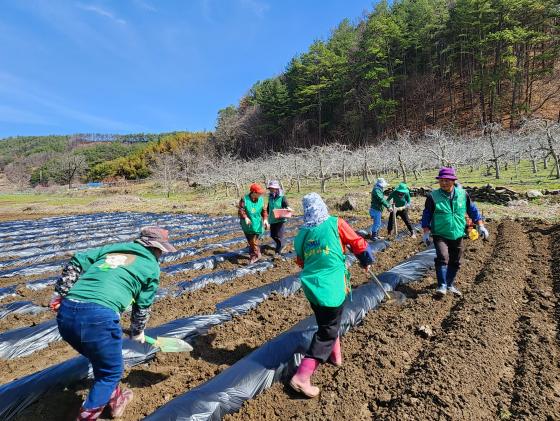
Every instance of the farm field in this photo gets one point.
(494, 353)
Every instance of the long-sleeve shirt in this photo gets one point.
(114, 276)
(242, 213)
(378, 201)
(429, 208)
(349, 238)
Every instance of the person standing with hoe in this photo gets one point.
(378, 202)
(444, 218)
(95, 288)
(276, 201)
(401, 201)
(319, 247)
(253, 219)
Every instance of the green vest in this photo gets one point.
(116, 274)
(274, 204)
(254, 212)
(449, 220)
(324, 271)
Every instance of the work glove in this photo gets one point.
(247, 221)
(55, 302)
(426, 238)
(266, 225)
(139, 338)
(483, 232)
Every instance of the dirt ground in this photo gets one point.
(169, 375)
(492, 354)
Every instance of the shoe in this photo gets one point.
(441, 290)
(254, 259)
(336, 354)
(90, 414)
(301, 382)
(454, 290)
(119, 399)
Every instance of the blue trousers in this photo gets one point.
(95, 332)
(376, 217)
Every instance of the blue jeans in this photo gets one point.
(95, 332)
(376, 216)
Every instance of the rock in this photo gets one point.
(520, 202)
(533, 194)
(425, 331)
(349, 203)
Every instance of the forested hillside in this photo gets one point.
(414, 64)
(63, 159)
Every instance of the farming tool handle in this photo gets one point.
(379, 283)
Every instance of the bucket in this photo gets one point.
(283, 213)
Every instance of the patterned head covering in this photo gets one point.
(381, 183)
(315, 211)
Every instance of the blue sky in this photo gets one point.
(144, 65)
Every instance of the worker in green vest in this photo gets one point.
(378, 202)
(444, 219)
(400, 197)
(253, 219)
(320, 245)
(95, 287)
(276, 200)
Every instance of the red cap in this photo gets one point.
(256, 188)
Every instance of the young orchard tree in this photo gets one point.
(497, 143)
(165, 171)
(547, 136)
(439, 145)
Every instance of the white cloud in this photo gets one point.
(145, 5)
(102, 12)
(9, 114)
(18, 90)
(256, 6)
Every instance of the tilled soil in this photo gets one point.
(492, 354)
(170, 375)
(202, 301)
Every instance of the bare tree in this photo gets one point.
(18, 173)
(165, 171)
(69, 166)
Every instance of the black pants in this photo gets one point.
(448, 252)
(404, 216)
(328, 322)
(277, 234)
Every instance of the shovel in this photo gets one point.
(395, 220)
(396, 297)
(169, 344)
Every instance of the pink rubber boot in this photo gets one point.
(301, 382)
(119, 399)
(336, 354)
(90, 414)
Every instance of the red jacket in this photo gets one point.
(348, 237)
